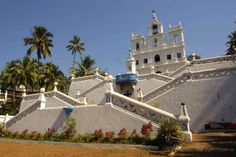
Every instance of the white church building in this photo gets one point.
(159, 83)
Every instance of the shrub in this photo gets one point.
(99, 135)
(34, 135)
(78, 138)
(88, 138)
(16, 135)
(25, 134)
(169, 133)
(109, 136)
(48, 134)
(69, 130)
(3, 130)
(147, 130)
(135, 138)
(122, 137)
(122, 133)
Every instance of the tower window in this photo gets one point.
(154, 29)
(155, 42)
(137, 62)
(179, 55)
(137, 46)
(175, 38)
(157, 58)
(168, 57)
(145, 60)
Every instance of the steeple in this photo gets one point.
(154, 15)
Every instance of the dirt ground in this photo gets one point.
(13, 149)
(220, 144)
(215, 144)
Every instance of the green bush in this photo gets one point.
(169, 133)
(69, 130)
(3, 130)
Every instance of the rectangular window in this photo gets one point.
(168, 57)
(137, 62)
(179, 55)
(145, 60)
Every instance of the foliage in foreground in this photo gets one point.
(68, 133)
(169, 133)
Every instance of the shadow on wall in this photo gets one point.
(220, 106)
(59, 121)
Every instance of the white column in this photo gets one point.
(184, 120)
(42, 99)
(55, 86)
(84, 101)
(78, 95)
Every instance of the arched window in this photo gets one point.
(154, 29)
(157, 58)
(176, 38)
(137, 46)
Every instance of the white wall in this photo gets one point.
(206, 100)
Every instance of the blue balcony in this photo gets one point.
(126, 79)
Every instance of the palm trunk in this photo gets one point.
(73, 64)
(38, 77)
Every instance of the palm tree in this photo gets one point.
(50, 73)
(231, 44)
(19, 72)
(75, 45)
(41, 41)
(24, 72)
(86, 67)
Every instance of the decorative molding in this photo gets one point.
(155, 76)
(214, 59)
(100, 77)
(144, 110)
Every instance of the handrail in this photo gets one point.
(213, 73)
(50, 94)
(94, 87)
(214, 59)
(98, 76)
(178, 70)
(156, 76)
(22, 114)
(149, 112)
(164, 88)
(67, 98)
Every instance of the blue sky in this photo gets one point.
(106, 26)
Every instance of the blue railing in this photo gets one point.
(126, 79)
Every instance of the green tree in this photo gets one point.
(24, 72)
(231, 44)
(86, 66)
(50, 73)
(40, 41)
(190, 57)
(75, 45)
(19, 72)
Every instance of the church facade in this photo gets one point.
(163, 51)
